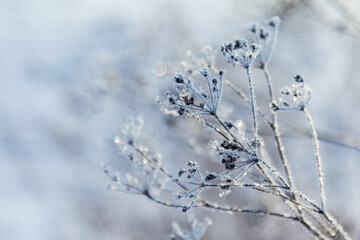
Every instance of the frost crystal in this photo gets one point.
(193, 100)
(266, 36)
(198, 229)
(294, 98)
(240, 52)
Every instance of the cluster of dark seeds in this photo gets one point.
(210, 177)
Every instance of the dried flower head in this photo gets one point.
(266, 36)
(294, 98)
(193, 100)
(240, 52)
(198, 229)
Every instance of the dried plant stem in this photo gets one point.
(237, 90)
(242, 96)
(237, 153)
(226, 209)
(251, 211)
(293, 203)
(275, 128)
(318, 157)
(311, 229)
(339, 233)
(224, 126)
(269, 83)
(333, 137)
(327, 230)
(321, 232)
(253, 109)
(216, 130)
(204, 203)
(147, 158)
(281, 150)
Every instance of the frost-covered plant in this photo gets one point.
(242, 162)
(198, 229)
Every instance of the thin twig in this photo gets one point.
(317, 156)
(253, 107)
(275, 128)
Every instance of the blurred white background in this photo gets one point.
(72, 71)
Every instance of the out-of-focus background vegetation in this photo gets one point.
(72, 72)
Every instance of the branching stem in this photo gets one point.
(275, 128)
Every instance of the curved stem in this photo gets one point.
(275, 129)
(317, 156)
